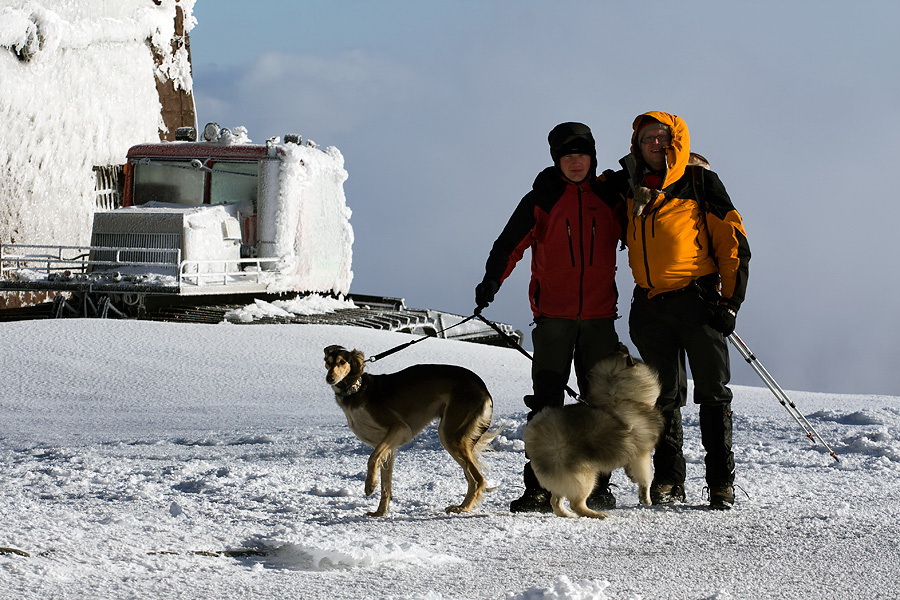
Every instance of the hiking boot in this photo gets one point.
(601, 499)
(532, 501)
(721, 498)
(666, 493)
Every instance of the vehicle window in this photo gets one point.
(172, 182)
(234, 183)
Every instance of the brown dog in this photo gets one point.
(388, 411)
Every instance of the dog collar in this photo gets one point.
(350, 390)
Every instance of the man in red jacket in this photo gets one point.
(572, 226)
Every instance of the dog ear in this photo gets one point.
(623, 350)
(331, 349)
(357, 360)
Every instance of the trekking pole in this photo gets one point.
(514, 344)
(780, 394)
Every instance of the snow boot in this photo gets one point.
(535, 498)
(532, 501)
(721, 498)
(666, 493)
(601, 498)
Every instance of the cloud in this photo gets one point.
(441, 112)
(328, 95)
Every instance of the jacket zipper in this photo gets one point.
(644, 246)
(593, 237)
(581, 252)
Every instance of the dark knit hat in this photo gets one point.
(571, 138)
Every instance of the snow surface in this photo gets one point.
(158, 460)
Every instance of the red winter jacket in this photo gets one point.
(572, 230)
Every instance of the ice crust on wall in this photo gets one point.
(83, 92)
(313, 222)
(78, 89)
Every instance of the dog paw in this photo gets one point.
(370, 487)
(376, 513)
(454, 509)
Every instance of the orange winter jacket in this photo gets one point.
(689, 228)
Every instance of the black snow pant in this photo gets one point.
(671, 331)
(558, 344)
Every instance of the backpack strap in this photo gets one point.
(696, 163)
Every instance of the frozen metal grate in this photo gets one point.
(141, 247)
(108, 187)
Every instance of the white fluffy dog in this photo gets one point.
(618, 425)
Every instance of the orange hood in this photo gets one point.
(678, 154)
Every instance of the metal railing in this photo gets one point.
(79, 263)
(49, 260)
(224, 271)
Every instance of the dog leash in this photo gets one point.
(408, 344)
(514, 344)
(476, 315)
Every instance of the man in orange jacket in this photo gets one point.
(689, 255)
(572, 224)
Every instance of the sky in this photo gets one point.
(441, 110)
(239, 478)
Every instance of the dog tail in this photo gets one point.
(613, 382)
(484, 442)
(485, 435)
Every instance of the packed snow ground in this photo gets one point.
(156, 460)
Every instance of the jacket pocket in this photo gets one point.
(571, 242)
(555, 293)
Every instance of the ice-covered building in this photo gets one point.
(82, 83)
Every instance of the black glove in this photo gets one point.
(723, 318)
(485, 292)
